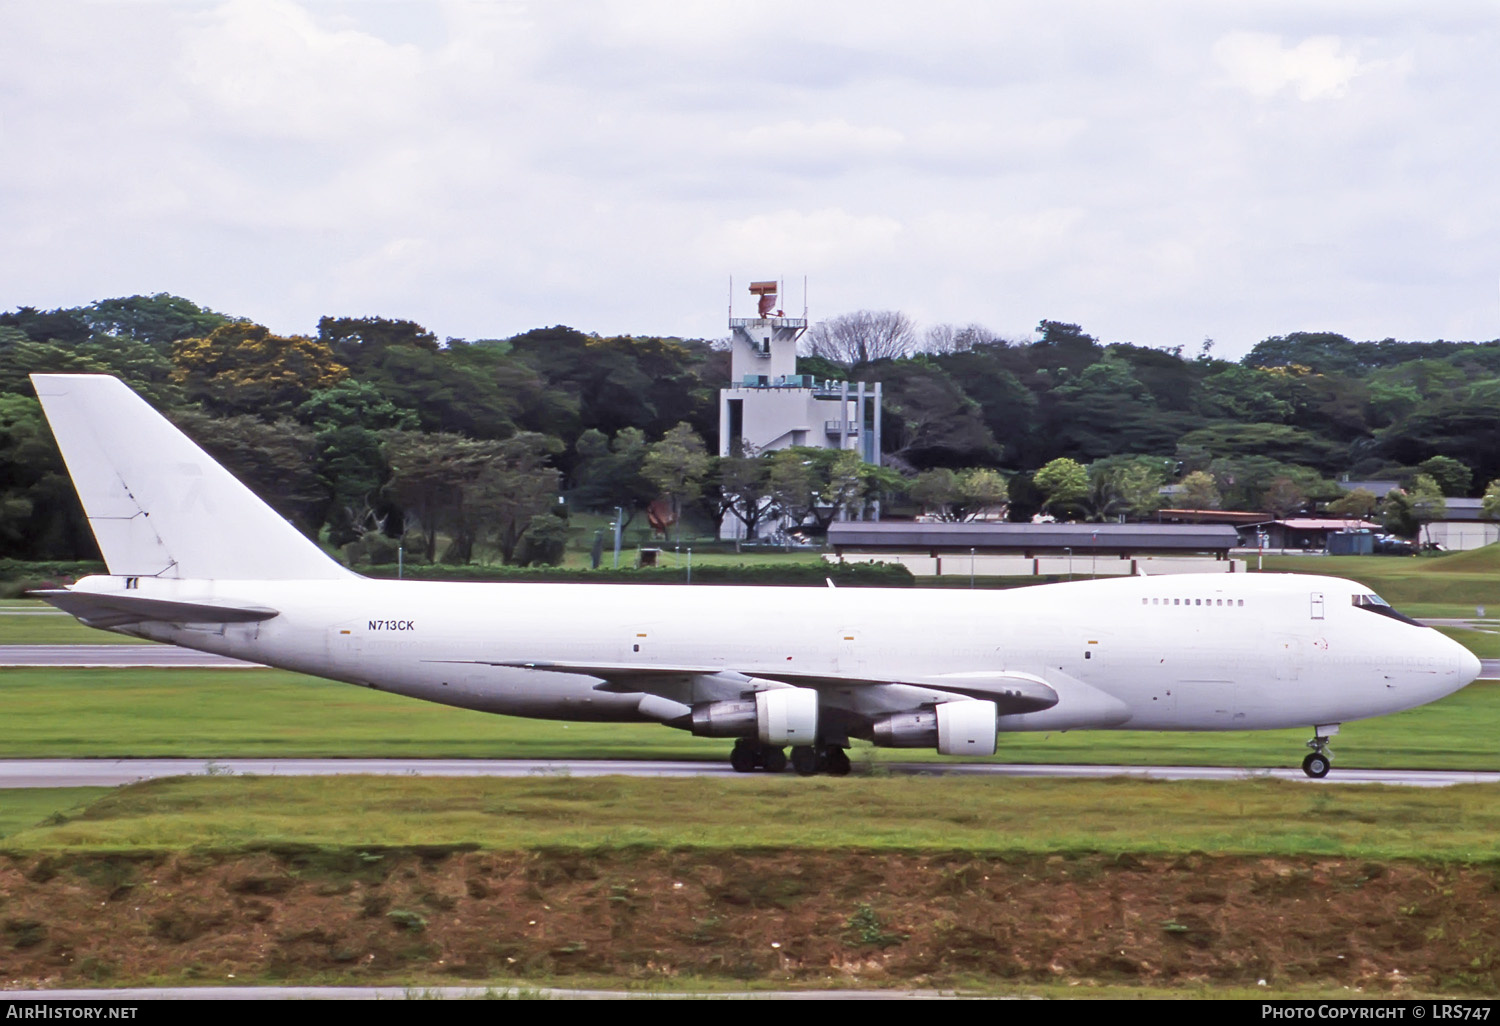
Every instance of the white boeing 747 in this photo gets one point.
(196, 559)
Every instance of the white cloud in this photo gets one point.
(1156, 171)
(819, 240)
(269, 68)
(1320, 68)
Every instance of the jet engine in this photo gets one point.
(780, 716)
(954, 728)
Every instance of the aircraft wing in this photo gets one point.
(96, 610)
(1011, 692)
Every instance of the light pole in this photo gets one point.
(1069, 550)
(617, 525)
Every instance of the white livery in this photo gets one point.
(196, 559)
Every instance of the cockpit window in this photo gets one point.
(1375, 604)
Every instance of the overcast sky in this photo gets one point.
(1156, 172)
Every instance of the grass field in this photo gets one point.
(1447, 585)
(875, 814)
(31, 624)
(28, 807)
(221, 713)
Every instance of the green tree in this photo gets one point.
(1359, 504)
(156, 321)
(963, 496)
(1262, 483)
(934, 490)
(1490, 507)
(1105, 409)
(814, 487)
(243, 368)
(351, 403)
(360, 342)
(472, 489)
(514, 488)
(1125, 486)
(1427, 501)
(544, 542)
(349, 419)
(1063, 483)
(40, 517)
(678, 466)
(277, 460)
(607, 472)
(1283, 497)
(1451, 476)
(741, 485)
(1398, 515)
(1199, 491)
(1407, 512)
(429, 473)
(927, 419)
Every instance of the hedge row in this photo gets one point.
(812, 575)
(20, 575)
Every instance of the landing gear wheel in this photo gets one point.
(805, 760)
(742, 756)
(1320, 761)
(772, 760)
(836, 762)
(1316, 765)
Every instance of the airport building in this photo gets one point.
(769, 406)
(1039, 550)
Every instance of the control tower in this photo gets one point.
(769, 406)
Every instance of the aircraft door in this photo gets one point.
(1317, 605)
(851, 658)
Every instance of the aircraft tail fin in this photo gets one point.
(158, 505)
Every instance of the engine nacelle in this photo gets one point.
(779, 716)
(787, 716)
(966, 728)
(724, 719)
(906, 730)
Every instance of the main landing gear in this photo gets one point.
(1320, 760)
(808, 760)
(749, 755)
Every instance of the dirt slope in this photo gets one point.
(824, 918)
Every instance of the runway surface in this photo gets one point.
(82, 656)
(113, 772)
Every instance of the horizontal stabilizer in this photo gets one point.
(1011, 692)
(97, 610)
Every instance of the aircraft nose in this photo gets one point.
(1469, 666)
(1461, 665)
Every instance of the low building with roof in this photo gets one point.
(1021, 550)
(1463, 526)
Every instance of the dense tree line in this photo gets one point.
(374, 430)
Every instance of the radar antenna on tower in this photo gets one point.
(767, 291)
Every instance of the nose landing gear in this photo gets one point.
(1320, 760)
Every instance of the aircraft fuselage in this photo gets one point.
(1193, 652)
